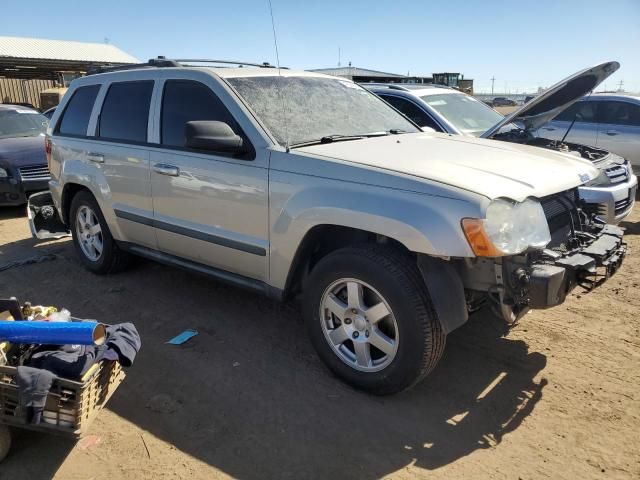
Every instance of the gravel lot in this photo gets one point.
(557, 396)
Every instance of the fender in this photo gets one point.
(422, 223)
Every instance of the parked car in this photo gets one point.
(49, 113)
(528, 98)
(318, 188)
(503, 102)
(608, 121)
(611, 195)
(23, 164)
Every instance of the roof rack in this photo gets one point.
(392, 86)
(224, 62)
(162, 62)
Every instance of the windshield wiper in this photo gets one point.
(328, 139)
(397, 131)
(345, 138)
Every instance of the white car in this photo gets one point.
(611, 195)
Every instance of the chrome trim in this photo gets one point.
(188, 232)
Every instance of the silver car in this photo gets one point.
(611, 195)
(608, 121)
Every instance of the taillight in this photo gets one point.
(47, 150)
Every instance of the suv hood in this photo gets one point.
(545, 107)
(491, 168)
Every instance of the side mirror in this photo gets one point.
(428, 129)
(212, 135)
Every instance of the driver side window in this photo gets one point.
(184, 101)
(411, 111)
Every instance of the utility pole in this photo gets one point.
(493, 79)
(620, 86)
(338, 56)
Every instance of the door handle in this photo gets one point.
(95, 157)
(611, 133)
(165, 169)
(550, 129)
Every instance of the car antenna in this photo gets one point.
(575, 116)
(284, 110)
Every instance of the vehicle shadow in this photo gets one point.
(249, 396)
(13, 212)
(631, 228)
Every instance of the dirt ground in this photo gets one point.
(557, 396)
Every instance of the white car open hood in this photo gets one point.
(554, 100)
(490, 168)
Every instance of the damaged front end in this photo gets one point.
(583, 251)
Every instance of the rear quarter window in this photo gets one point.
(125, 111)
(75, 118)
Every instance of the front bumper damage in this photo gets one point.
(542, 279)
(555, 274)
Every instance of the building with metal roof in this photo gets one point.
(38, 58)
(365, 75)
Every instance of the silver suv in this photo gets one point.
(299, 184)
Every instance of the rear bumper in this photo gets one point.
(551, 280)
(613, 203)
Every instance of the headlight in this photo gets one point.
(509, 228)
(3, 173)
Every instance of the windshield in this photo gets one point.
(316, 108)
(464, 112)
(21, 123)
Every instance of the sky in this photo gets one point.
(524, 45)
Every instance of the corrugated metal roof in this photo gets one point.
(354, 72)
(42, 49)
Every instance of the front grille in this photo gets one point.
(34, 172)
(617, 173)
(621, 205)
(595, 209)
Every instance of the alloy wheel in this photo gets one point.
(359, 325)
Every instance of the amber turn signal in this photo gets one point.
(478, 239)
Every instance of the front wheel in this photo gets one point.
(370, 318)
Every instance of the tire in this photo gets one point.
(5, 441)
(414, 340)
(109, 258)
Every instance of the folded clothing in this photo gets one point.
(72, 362)
(34, 385)
(125, 340)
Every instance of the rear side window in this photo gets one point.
(584, 112)
(621, 113)
(75, 118)
(184, 101)
(125, 112)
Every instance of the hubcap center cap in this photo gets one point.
(359, 323)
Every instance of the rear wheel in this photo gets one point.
(92, 239)
(370, 319)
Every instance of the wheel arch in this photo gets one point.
(321, 240)
(69, 191)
